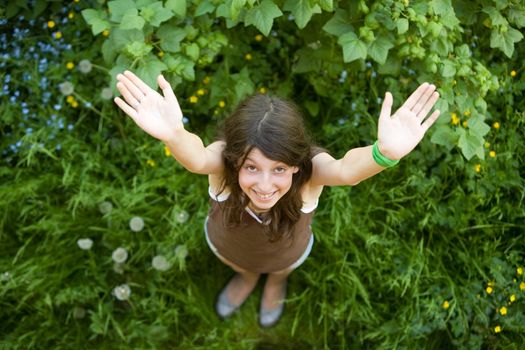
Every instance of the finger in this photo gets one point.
(428, 105)
(411, 101)
(428, 123)
(138, 82)
(420, 104)
(167, 91)
(132, 88)
(125, 107)
(386, 108)
(128, 96)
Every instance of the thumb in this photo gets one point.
(166, 87)
(386, 108)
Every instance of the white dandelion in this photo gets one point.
(106, 93)
(105, 207)
(182, 216)
(120, 255)
(6, 276)
(181, 251)
(122, 292)
(85, 66)
(136, 224)
(118, 268)
(85, 243)
(66, 88)
(160, 263)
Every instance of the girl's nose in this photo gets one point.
(265, 183)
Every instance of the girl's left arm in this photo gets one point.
(397, 135)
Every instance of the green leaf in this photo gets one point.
(312, 107)
(170, 37)
(236, 7)
(193, 51)
(178, 7)
(244, 86)
(96, 20)
(118, 8)
(262, 16)
(339, 24)
(150, 69)
(204, 7)
(157, 14)
(181, 66)
(477, 125)
(353, 48)
(517, 16)
(444, 136)
(327, 5)
(379, 48)
(138, 49)
(132, 20)
(302, 11)
(495, 16)
(441, 7)
(392, 66)
(505, 41)
(470, 144)
(402, 25)
(448, 69)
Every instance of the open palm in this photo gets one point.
(400, 133)
(157, 115)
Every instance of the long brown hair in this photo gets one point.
(275, 127)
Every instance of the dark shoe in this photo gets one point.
(269, 317)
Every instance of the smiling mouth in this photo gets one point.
(264, 197)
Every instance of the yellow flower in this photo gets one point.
(454, 118)
(151, 162)
(160, 54)
(206, 80)
(258, 37)
(492, 154)
(50, 24)
(446, 304)
(70, 99)
(76, 0)
(503, 311)
(512, 298)
(105, 33)
(194, 99)
(248, 56)
(487, 144)
(71, 15)
(513, 73)
(70, 65)
(466, 113)
(262, 90)
(522, 286)
(495, 125)
(497, 329)
(477, 168)
(57, 35)
(167, 151)
(74, 104)
(519, 271)
(222, 104)
(201, 92)
(489, 290)
(465, 123)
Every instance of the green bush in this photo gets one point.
(429, 254)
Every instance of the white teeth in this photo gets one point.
(265, 196)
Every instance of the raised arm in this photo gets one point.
(161, 117)
(397, 135)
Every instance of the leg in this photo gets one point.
(272, 303)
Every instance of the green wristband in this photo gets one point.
(381, 159)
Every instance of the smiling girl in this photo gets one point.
(265, 178)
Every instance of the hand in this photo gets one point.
(400, 133)
(160, 116)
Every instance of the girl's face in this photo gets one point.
(264, 181)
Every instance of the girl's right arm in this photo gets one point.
(161, 117)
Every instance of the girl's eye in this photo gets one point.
(251, 168)
(280, 170)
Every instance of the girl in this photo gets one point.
(265, 178)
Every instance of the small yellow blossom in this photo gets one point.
(222, 104)
(492, 154)
(454, 82)
(454, 118)
(495, 125)
(522, 286)
(489, 290)
(57, 35)
(194, 99)
(160, 54)
(487, 144)
(466, 113)
(105, 33)
(201, 92)
(216, 112)
(446, 304)
(50, 24)
(76, 0)
(70, 65)
(477, 168)
(262, 90)
(497, 329)
(206, 80)
(167, 151)
(74, 104)
(465, 123)
(512, 298)
(70, 99)
(503, 311)
(248, 56)
(519, 271)
(151, 162)
(513, 73)
(71, 15)
(258, 37)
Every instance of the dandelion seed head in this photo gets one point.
(136, 224)
(118, 268)
(122, 292)
(85, 243)
(182, 216)
(66, 88)
(105, 207)
(6, 276)
(119, 255)
(106, 93)
(181, 251)
(160, 263)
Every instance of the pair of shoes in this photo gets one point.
(224, 307)
(269, 317)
